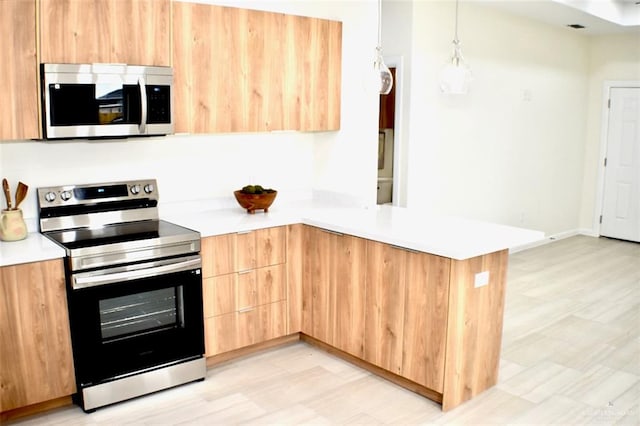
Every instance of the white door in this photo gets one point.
(621, 202)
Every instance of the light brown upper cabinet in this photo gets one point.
(239, 70)
(133, 32)
(19, 82)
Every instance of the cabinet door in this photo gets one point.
(385, 306)
(318, 61)
(425, 319)
(349, 282)
(19, 78)
(271, 284)
(294, 282)
(319, 270)
(259, 248)
(36, 363)
(335, 266)
(272, 321)
(239, 70)
(221, 333)
(246, 251)
(219, 295)
(271, 246)
(247, 286)
(124, 31)
(218, 255)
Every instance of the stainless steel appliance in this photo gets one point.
(134, 288)
(106, 100)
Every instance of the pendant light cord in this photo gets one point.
(380, 23)
(456, 28)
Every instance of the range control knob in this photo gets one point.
(50, 196)
(148, 188)
(135, 189)
(65, 195)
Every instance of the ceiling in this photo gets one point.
(597, 16)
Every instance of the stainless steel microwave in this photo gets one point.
(106, 100)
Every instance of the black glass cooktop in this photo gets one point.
(120, 233)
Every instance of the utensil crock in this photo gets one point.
(12, 225)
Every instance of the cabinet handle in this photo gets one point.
(328, 231)
(243, 232)
(143, 106)
(246, 271)
(405, 249)
(247, 309)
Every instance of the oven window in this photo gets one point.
(141, 313)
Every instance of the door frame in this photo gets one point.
(604, 131)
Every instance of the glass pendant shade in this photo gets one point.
(385, 79)
(456, 74)
(382, 75)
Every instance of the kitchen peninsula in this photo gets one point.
(413, 298)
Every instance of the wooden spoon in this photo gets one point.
(21, 193)
(7, 193)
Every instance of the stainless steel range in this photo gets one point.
(134, 289)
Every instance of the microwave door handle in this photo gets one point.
(143, 106)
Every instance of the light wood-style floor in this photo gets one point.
(570, 355)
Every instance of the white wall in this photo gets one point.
(491, 155)
(611, 58)
(511, 151)
(210, 166)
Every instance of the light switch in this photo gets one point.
(481, 279)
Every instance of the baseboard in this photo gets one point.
(215, 360)
(34, 409)
(555, 237)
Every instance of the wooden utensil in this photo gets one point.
(7, 193)
(21, 193)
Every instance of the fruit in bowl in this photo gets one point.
(255, 197)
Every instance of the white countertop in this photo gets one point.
(34, 248)
(456, 238)
(452, 237)
(444, 236)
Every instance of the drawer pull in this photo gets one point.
(328, 231)
(405, 249)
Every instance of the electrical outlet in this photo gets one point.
(481, 279)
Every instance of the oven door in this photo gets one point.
(135, 318)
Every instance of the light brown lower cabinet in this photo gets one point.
(415, 315)
(244, 308)
(385, 306)
(36, 362)
(239, 329)
(334, 276)
(425, 319)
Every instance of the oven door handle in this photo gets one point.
(93, 279)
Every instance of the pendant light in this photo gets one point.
(456, 74)
(384, 79)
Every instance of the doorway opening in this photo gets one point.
(386, 145)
